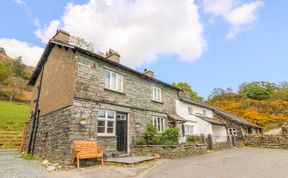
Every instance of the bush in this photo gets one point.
(151, 137)
(150, 134)
(170, 136)
(193, 139)
(141, 141)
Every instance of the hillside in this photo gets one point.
(14, 75)
(13, 115)
(262, 103)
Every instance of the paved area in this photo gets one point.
(131, 160)
(14, 166)
(234, 163)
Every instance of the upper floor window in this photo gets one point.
(113, 81)
(156, 94)
(159, 123)
(190, 110)
(106, 123)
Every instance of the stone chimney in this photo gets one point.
(148, 73)
(113, 55)
(62, 36)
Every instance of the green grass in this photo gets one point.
(13, 115)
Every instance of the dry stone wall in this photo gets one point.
(267, 141)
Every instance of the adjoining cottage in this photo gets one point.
(81, 95)
(201, 118)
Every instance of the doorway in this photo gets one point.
(121, 132)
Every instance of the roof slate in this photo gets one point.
(95, 56)
(218, 111)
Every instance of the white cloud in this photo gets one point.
(20, 2)
(30, 53)
(139, 30)
(239, 15)
(47, 32)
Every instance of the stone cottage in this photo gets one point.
(81, 95)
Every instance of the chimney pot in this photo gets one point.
(113, 55)
(148, 73)
(62, 36)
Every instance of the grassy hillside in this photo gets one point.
(14, 76)
(13, 115)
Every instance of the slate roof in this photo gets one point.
(95, 56)
(210, 120)
(218, 111)
(176, 117)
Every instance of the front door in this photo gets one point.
(121, 132)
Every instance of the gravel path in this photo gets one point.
(13, 166)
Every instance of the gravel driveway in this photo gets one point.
(14, 166)
(234, 163)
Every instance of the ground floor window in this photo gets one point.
(232, 131)
(106, 123)
(189, 129)
(159, 123)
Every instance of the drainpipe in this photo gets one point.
(35, 117)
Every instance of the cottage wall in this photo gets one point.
(137, 89)
(58, 81)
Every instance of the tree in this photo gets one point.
(257, 90)
(19, 69)
(4, 73)
(16, 86)
(81, 43)
(187, 90)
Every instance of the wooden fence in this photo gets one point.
(12, 140)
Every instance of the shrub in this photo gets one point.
(141, 141)
(149, 134)
(193, 139)
(170, 136)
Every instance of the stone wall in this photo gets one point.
(136, 93)
(169, 151)
(52, 139)
(222, 145)
(267, 141)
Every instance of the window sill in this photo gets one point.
(107, 136)
(160, 102)
(107, 89)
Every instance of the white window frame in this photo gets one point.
(156, 94)
(232, 131)
(159, 120)
(106, 120)
(190, 110)
(113, 85)
(189, 129)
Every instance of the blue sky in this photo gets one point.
(202, 53)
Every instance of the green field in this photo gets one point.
(13, 115)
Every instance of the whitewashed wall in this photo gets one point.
(201, 126)
(219, 133)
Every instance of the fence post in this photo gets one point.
(23, 137)
(209, 142)
(202, 138)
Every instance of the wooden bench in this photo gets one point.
(86, 149)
